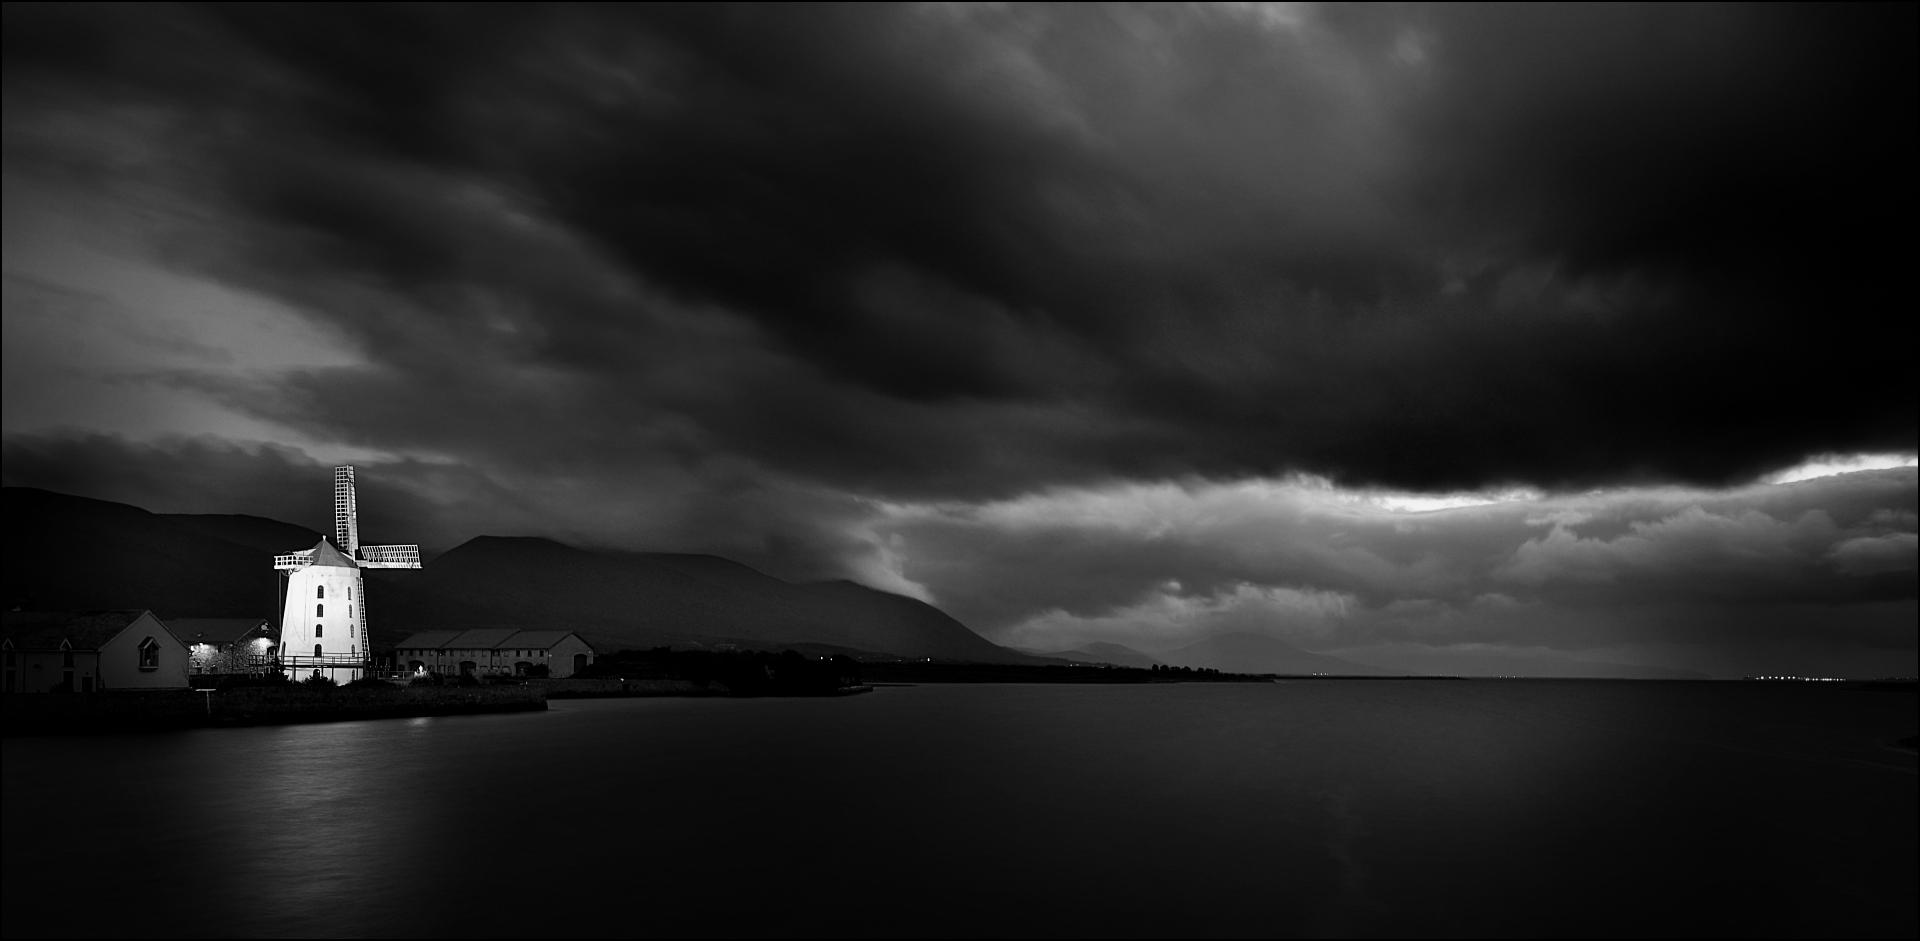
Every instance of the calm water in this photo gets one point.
(1319, 808)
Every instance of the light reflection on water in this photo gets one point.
(1303, 808)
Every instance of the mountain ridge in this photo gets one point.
(92, 554)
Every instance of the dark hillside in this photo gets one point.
(880, 620)
(72, 553)
(254, 532)
(646, 599)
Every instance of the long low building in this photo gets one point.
(496, 652)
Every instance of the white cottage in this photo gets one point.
(90, 651)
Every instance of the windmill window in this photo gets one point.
(319, 610)
(319, 591)
(149, 654)
(316, 651)
(349, 625)
(319, 630)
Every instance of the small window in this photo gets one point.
(349, 611)
(149, 654)
(319, 591)
(316, 651)
(319, 610)
(319, 630)
(349, 628)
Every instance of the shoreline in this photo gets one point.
(165, 710)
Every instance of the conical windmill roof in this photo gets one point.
(325, 554)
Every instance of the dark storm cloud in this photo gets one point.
(968, 251)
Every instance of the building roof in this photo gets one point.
(493, 639)
(325, 554)
(541, 640)
(427, 639)
(215, 630)
(85, 630)
(484, 639)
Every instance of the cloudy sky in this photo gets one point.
(1453, 338)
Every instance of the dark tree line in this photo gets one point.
(1189, 671)
(742, 672)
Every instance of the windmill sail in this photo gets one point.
(389, 557)
(346, 516)
(346, 526)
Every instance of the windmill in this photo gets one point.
(323, 628)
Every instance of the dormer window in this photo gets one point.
(149, 654)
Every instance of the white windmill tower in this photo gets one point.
(323, 629)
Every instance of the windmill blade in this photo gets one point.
(346, 515)
(390, 557)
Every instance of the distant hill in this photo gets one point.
(1116, 654)
(1241, 652)
(649, 599)
(73, 553)
(257, 533)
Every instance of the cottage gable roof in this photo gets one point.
(325, 554)
(215, 630)
(85, 630)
